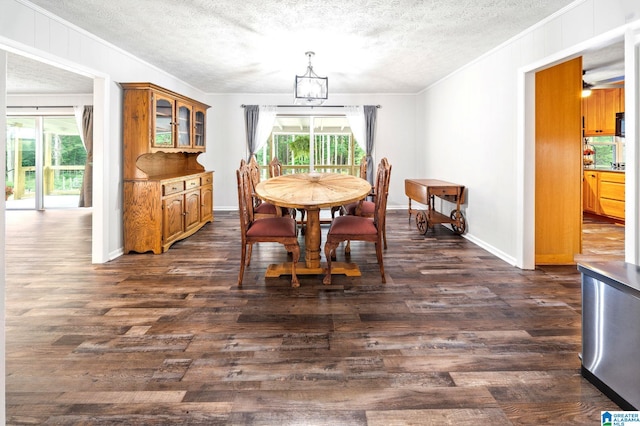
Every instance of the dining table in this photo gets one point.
(312, 192)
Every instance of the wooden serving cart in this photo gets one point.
(424, 191)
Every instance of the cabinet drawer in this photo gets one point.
(206, 180)
(612, 190)
(613, 208)
(443, 191)
(612, 177)
(172, 188)
(192, 183)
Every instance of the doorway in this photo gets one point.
(45, 162)
(527, 258)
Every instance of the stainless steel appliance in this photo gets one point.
(610, 330)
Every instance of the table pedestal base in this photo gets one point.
(337, 268)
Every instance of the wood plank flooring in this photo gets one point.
(602, 239)
(455, 336)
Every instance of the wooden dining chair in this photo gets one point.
(261, 208)
(365, 207)
(275, 169)
(281, 229)
(361, 228)
(363, 175)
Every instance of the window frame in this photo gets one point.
(352, 167)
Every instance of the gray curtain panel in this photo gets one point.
(251, 114)
(370, 112)
(86, 192)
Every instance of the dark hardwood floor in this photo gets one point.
(455, 336)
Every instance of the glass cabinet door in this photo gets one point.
(184, 125)
(163, 137)
(198, 141)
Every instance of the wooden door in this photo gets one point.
(173, 218)
(164, 133)
(610, 106)
(558, 191)
(590, 192)
(184, 125)
(199, 115)
(191, 209)
(591, 113)
(206, 201)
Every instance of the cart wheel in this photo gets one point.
(421, 222)
(459, 225)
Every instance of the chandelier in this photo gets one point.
(310, 89)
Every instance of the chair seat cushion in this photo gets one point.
(352, 225)
(273, 227)
(367, 209)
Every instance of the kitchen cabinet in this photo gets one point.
(590, 192)
(611, 193)
(168, 195)
(599, 111)
(603, 193)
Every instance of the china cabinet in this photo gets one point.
(168, 195)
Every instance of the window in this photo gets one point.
(608, 151)
(333, 149)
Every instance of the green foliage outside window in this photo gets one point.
(334, 149)
(604, 155)
(605, 151)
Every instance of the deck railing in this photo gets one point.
(58, 180)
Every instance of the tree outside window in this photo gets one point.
(334, 148)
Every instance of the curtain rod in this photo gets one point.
(309, 106)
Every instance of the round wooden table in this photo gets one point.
(312, 192)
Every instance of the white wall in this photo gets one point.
(226, 140)
(469, 128)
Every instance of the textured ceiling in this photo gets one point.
(257, 46)
(26, 76)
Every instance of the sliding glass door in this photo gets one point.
(303, 143)
(45, 162)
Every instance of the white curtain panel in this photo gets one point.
(355, 115)
(266, 117)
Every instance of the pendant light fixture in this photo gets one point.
(310, 89)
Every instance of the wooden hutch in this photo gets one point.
(168, 195)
